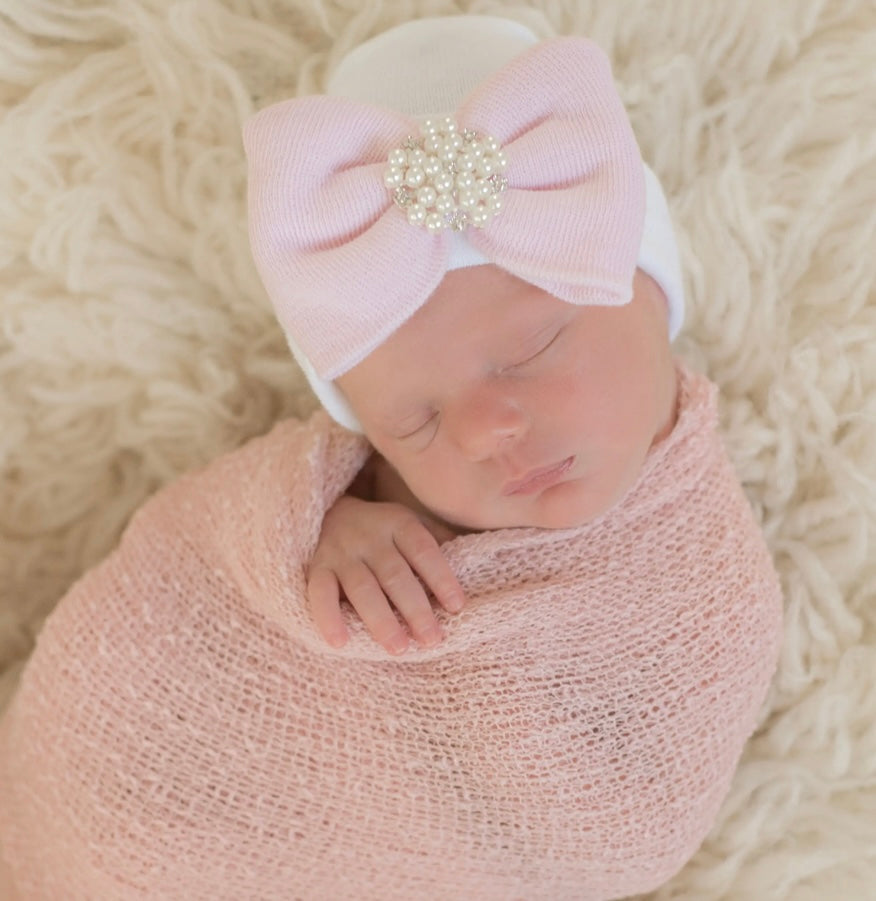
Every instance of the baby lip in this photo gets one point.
(533, 475)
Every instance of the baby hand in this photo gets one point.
(371, 551)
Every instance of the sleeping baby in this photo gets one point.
(477, 274)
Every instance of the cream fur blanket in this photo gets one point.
(136, 342)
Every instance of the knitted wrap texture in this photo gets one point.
(182, 731)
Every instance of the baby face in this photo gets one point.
(501, 406)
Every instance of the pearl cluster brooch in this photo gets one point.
(448, 178)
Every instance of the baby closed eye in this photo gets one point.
(532, 357)
(420, 427)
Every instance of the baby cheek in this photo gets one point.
(569, 397)
(448, 486)
(420, 471)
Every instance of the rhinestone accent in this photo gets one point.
(403, 196)
(448, 177)
(458, 220)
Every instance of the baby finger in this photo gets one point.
(421, 550)
(323, 595)
(363, 591)
(405, 591)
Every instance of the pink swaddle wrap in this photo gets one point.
(182, 731)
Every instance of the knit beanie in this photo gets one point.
(303, 154)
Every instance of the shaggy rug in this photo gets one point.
(136, 341)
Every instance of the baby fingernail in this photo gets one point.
(397, 645)
(432, 637)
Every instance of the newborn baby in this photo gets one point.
(477, 275)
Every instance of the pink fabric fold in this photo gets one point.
(182, 731)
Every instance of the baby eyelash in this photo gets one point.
(420, 427)
(538, 353)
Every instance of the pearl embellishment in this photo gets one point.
(448, 177)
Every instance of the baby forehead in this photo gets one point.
(478, 317)
(477, 312)
(486, 295)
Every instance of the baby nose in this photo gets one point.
(486, 421)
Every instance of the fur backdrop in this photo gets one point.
(136, 341)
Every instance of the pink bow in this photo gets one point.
(343, 266)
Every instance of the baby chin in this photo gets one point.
(564, 505)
